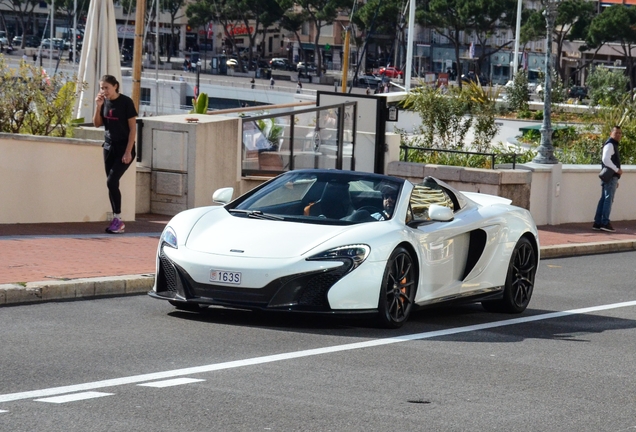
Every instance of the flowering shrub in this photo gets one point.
(35, 103)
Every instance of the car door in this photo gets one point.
(443, 245)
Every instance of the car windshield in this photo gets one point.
(322, 197)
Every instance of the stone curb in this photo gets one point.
(37, 292)
(562, 251)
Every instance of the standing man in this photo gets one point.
(611, 159)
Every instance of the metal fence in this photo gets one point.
(492, 156)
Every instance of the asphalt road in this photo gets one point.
(564, 365)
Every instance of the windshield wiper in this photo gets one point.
(257, 214)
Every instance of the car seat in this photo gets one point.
(335, 202)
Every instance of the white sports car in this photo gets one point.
(326, 241)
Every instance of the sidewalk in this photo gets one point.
(45, 262)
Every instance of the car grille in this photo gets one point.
(167, 280)
(316, 287)
(306, 291)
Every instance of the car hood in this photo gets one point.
(220, 233)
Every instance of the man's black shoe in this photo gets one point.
(608, 228)
(596, 227)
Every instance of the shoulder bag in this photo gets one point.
(606, 174)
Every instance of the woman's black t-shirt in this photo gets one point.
(115, 115)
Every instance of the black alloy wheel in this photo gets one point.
(519, 280)
(398, 289)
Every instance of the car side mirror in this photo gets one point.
(223, 195)
(440, 213)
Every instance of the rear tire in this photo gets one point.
(398, 289)
(519, 280)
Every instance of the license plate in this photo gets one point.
(225, 277)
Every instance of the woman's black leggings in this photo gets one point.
(115, 169)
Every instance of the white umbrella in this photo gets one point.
(100, 54)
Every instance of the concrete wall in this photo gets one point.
(188, 160)
(554, 194)
(512, 184)
(569, 193)
(46, 179)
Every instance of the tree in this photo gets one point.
(23, 11)
(379, 19)
(572, 22)
(149, 16)
(173, 7)
(67, 8)
(607, 88)
(262, 13)
(321, 13)
(449, 18)
(202, 12)
(617, 24)
(491, 16)
(293, 21)
(517, 93)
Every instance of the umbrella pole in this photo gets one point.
(137, 52)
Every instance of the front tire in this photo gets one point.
(519, 280)
(398, 289)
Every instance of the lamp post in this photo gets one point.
(196, 95)
(545, 151)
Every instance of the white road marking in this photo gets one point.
(299, 354)
(74, 397)
(170, 383)
(3, 411)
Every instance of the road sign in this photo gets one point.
(327, 47)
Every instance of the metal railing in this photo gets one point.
(492, 156)
(317, 137)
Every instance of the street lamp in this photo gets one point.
(545, 151)
(198, 73)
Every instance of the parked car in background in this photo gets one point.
(473, 77)
(31, 41)
(390, 72)
(126, 56)
(369, 80)
(279, 63)
(57, 43)
(305, 66)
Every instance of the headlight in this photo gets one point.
(356, 254)
(169, 238)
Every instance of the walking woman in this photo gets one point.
(117, 113)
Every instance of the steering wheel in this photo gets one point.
(370, 209)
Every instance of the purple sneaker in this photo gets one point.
(116, 227)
